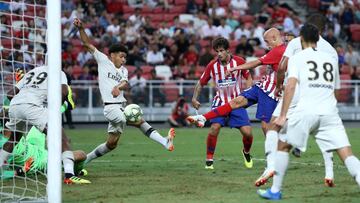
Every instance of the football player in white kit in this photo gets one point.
(316, 73)
(113, 80)
(28, 108)
(292, 48)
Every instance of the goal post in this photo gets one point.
(54, 100)
(30, 36)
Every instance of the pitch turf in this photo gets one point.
(140, 170)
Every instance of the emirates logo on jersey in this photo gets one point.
(116, 77)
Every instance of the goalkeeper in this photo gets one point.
(30, 154)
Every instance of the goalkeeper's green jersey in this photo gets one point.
(32, 145)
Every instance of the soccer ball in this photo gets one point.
(133, 113)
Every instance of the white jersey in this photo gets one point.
(295, 46)
(109, 77)
(34, 87)
(317, 73)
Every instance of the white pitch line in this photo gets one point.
(198, 160)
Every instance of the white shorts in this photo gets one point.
(24, 116)
(115, 115)
(328, 129)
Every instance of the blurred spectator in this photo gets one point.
(83, 57)
(130, 32)
(172, 57)
(191, 56)
(148, 27)
(216, 10)
(179, 113)
(330, 37)
(68, 55)
(137, 19)
(325, 4)
(209, 30)
(182, 42)
(240, 31)
(114, 27)
(341, 55)
(154, 56)
(135, 58)
(206, 57)
(192, 7)
(335, 7)
(239, 7)
(356, 73)
(289, 36)
(158, 94)
(135, 3)
(164, 30)
(85, 75)
(352, 57)
(224, 30)
(289, 24)
(137, 88)
(104, 19)
(176, 28)
(190, 28)
(232, 21)
(244, 48)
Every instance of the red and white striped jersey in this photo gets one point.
(272, 59)
(227, 88)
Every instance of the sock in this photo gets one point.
(281, 164)
(210, 146)
(97, 152)
(271, 141)
(68, 162)
(247, 142)
(218, 112)
(328, 161)
(153, 134)
(353, 165)
(4, 155)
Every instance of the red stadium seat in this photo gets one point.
(128, 9)
(313, 3)
(77, 71)
(199, 2)
(204, 43)
(354, 27)
(345, 69)
(247, 19)
(177, 9)
(181, 2)
(146, 68)
(7, 43)
(171, 91)
(114, 7)
(157, 17)
(146, 9)
(224, 3)
(158, 10)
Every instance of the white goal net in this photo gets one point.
(23, 47)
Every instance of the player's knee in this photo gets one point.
(112, 141)
(238, 102)
(283, 146)
(214, 129)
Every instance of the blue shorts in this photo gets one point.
(236, 119)
(266, 105)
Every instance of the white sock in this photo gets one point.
(4, 155)
(97, 152)
(353, 165)
(281, 164)
(68, 162)
(271, 141)
(329, 164)
(153, 134)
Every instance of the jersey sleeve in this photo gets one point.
(293, 70)
(63, 78)
(125, 75)
(100, 57)
(273, 57)
(205, 77)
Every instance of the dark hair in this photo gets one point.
(117, 48)
(318, 20)
(309, 33)
(220, 42)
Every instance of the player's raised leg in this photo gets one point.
(247, 142)
(152, 133)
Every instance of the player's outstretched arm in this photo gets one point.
(83, 36)
(281, 74)
(197, 91)
(245, 66)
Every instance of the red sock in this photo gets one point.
(223, 110)
(210, 146)
(247, 142)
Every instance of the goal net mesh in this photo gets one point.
(23, 47)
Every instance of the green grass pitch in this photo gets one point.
(140, 170)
